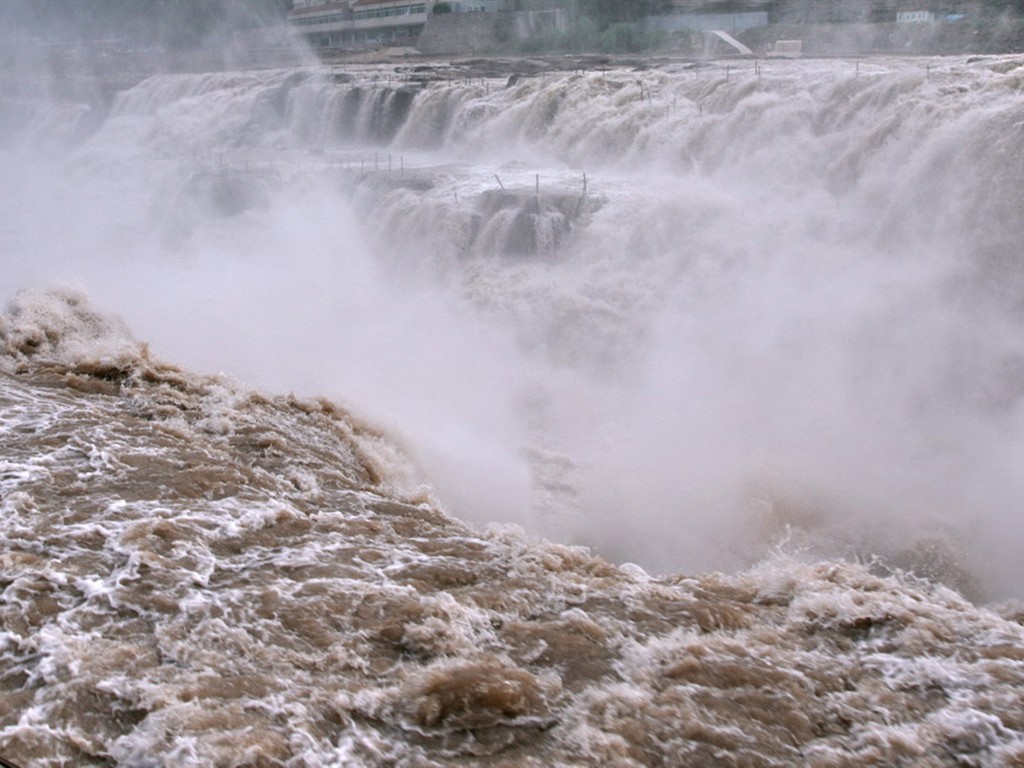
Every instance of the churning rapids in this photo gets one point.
(761, 322)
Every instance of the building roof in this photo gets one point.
(319, 8)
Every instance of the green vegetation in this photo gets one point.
(605, 13)
(603, 26)
(585, 37)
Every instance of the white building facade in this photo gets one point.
(372, 23)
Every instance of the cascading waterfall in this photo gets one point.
(787, 288)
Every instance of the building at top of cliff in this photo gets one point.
(374, 23)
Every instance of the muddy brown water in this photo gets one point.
(197, 574)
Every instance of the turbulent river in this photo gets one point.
(514, 415)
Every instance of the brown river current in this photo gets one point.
(195, 574)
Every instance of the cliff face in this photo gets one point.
(856, 28)
(981, 36)
(864, 11)
(459, 32)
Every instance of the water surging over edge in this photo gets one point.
(199, 575)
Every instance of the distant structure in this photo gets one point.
(375, 23)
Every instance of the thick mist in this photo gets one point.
(783, 312)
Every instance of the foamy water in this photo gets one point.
(763, 320)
